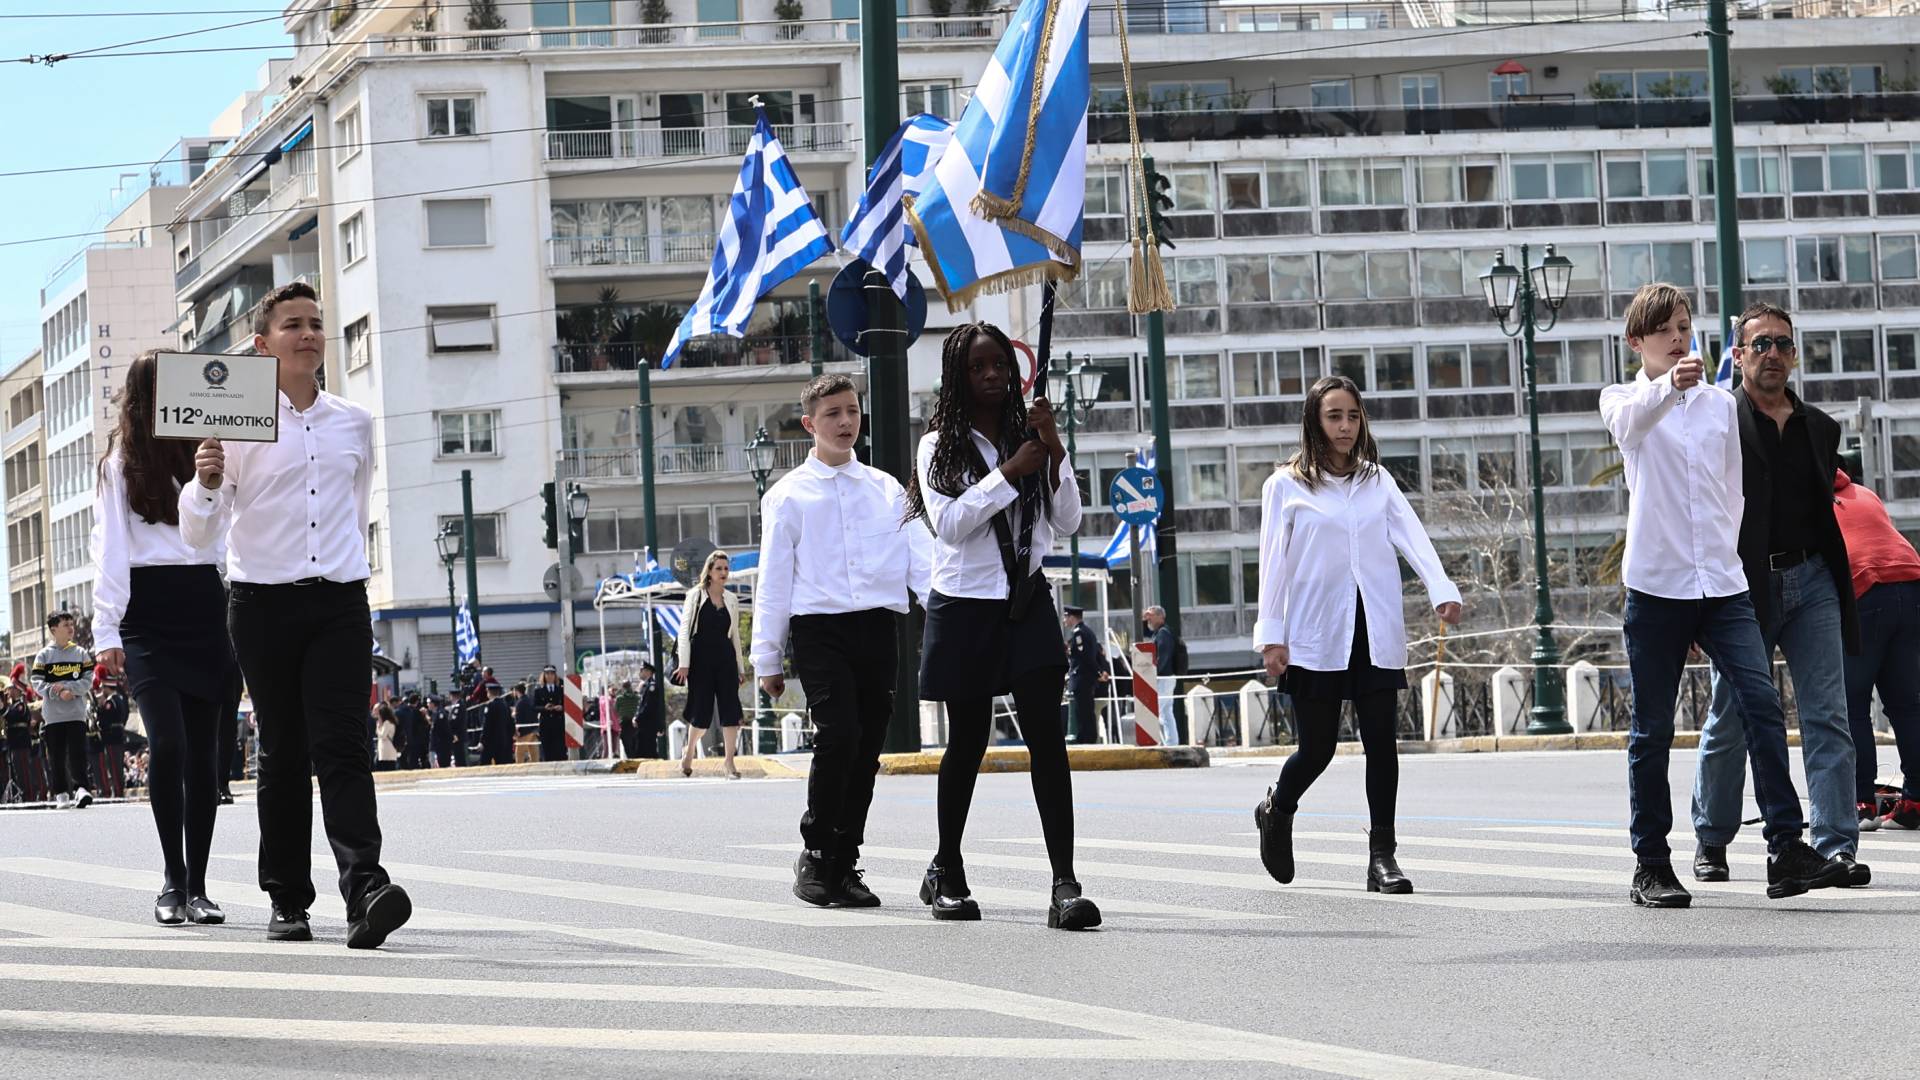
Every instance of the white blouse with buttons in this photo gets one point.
(293, 509)
(122, 540)
(1321, 546)
(966, 561)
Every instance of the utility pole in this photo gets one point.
(1168, 592)
(643, 458)
(886, 322)
(1726, 185)
(466, 545)
(563, 533)
(816, 326)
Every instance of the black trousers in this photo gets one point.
(66, 756)
(846, 666)
(1085, 714)
(307, 653)
(111, 768)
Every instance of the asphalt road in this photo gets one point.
(589, 926)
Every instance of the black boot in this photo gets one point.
(1068, 909)
(1276, 839)
(1383, 871)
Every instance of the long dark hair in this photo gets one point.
(1313, 462)
(154, 469)
(951, 471)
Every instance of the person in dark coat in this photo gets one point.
(444, 716)
(1086, 670)
(496, 732)
(550, 702)
(414, 730)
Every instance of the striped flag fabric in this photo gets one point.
(669, 619)
(771, 232)
(1005, 203)
(878, 231)
(466, 640)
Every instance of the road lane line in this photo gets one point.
(179, 942)
(47, 922)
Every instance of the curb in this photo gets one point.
(751, 768)
(1494, 744)
(1079, 759)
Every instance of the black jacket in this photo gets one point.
(1085, 659)
(1823, 433)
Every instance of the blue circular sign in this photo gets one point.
(847, 307)
(1136, 497)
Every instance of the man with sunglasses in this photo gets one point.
(1797, 572)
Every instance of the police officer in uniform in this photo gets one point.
(1086, 670)
(550, 701)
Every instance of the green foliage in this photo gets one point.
(485, 15)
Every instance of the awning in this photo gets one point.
(306, 129)
(1510, 67)
(304, 228)
(463, 333)
(254, 171)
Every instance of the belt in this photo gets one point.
(1787, 560)
(302, 582)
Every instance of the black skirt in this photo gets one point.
(1356, 681)
(971, 649)
(175, 632)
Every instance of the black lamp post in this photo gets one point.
(448, 544)
(760, 455)
(1510, 290)
(1083, 392)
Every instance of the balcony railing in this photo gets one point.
(21, 430)
(914, 28)
(585, 251)
(678, 459)
(235, 334)
(248, 228)
(706, 352)
(595, 144)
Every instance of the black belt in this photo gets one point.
(1787, 560)
(244, 586)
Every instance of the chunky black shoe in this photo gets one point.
(813, 878)
(204, 912)
(289, 926)
(226, 797)
(945, 891)
(1383, 870)
(1276, 839)
(1796, 868)
(851, 888)
(1858, 873)
(170, 908)
(1657, 887)
(1710, 863)
(385, 910)
(1069, 910)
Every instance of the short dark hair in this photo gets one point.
(824, 386)
(292, 290)
(1759, 309)
(1653, 305)
(59, 617)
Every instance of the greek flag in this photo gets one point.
(1119, 551)
(644, 562)
(669, 620)
(878, 232)
(466, 640)
(1004, 205)
(771, 232)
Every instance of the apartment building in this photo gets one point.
(24, 451)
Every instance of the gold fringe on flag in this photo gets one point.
(1147, 284)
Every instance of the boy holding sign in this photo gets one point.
(294, 512)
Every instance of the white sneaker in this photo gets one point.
(61, 802)
(83, 799)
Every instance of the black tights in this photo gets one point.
(1036, 701)
(1319, 722)
(182, 780)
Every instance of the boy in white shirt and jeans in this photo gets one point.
(1680, 440)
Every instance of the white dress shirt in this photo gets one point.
(966, 561)
(122, 540)
(1319, 547)
(296, 508)
(831, 542)
(1682, 458)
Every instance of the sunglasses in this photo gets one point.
(1763, 344)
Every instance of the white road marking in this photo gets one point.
(185, 942)
(1611, 851)
(47, 922)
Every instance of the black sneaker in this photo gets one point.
(289, 925)
(1858, 873)
(1710, 863)
(385, 910)
(853, 891)
(1796, 868)
(815, 878)
(1657, 887)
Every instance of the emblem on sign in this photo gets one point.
(216, 373)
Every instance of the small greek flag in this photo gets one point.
(1004, 206)
(878, 232)
(466, 640)
(771, 232)
(669, 620)
(644, 562)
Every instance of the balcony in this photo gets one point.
(1230, 18)
(914, 29)
(677, 460)
(708, 352)
(253, 224)
(26, 570)
(587, 253)
(21, 430)
(729, 140)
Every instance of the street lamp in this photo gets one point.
(448, 543)
(1515, 290)
(577, 501)
(1083, 392)
(760, 454)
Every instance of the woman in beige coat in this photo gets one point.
(709, 660)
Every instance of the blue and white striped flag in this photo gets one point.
(466, 640)
(669, 619)
(771, 232)
(878, 231)
(1004, 206)
(644, 562)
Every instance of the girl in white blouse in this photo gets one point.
(1330, 625)
(160, 616)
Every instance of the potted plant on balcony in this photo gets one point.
(592, 329)
(422, 25)
(655, 12)
(977, 8)
(942, 10)
(343, 12)
(789, 12)
(484, 15)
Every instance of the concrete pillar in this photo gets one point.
(1439, 716)
(1583, 697)
(1509, 701)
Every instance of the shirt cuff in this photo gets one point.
(105, 638)
(203, 498)
(1444, 592)
(1268, 632)
(764, 666)
(997, 489)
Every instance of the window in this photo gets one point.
(1658, 174)
(452, 117)
(1193, 377)
(725, 13)
(1556, 176)
(1419, 91)
(1281, 185)
(467, 433)
(1331, 93)
(1898, 260)
(460, 329)
(456, 222)
(358, 339)
(487, 533)
(353, 240)
(1100, 288)
(1191, 96)
(1580, 362)
(1209, 577)
(1837, 168)
(1117, 387)
(1903, 350)
(1463, 367)
(1896, 167)
(346, 137)
(1255, 465)
(928, 97)
(1195, 281)
(1766, 261)
(1377, 275)
(1200, 475)
(1833, 79)
(1381, 370)
(1253, 279)
(1759, 171)
(1192, 190)
(1107, 192)
(1359, 182)
(1822, 260)
(1845, 352)
(1278, 373)
(1506, 87)
(1401, 458)
(733, 524)
(1633, 265)
(1458, 180)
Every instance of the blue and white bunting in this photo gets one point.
(770, 233)
(878, 231)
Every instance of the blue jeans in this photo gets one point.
(1804, 622)
(1659, 633)
(1890, 659)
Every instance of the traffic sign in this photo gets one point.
(1135, 496)
(847, 307)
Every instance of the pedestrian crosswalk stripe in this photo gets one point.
(1618, 850)
(25, 919)
(189, 940)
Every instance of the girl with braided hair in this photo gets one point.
(994, 500)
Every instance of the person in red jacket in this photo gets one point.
(1886, 579)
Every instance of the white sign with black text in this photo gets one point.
(217, 396)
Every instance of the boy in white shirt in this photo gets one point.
(1680, 440)
(837, 560)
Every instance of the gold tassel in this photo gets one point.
(1147, 283)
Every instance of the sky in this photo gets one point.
(98, 111)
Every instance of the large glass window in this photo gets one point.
(1633, 265)
(1458, 180)
(1362, 182)
(1475, 366)
(1200, 475)
(1898, 260)
(1821, 260)
(1379, 275)
(1196, 281)
(1576, 362)
(1194, 377)
(1271, 374)
(1192, 190)
(1553, 176)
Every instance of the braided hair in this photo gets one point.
(950, 471)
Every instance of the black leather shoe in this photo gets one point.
(1069, 910)
(170, 908)
(813, 878)
(1383, 870)
(226, 797)
(1858, 873)
(289, 926)
(852, 888)
(946, 892)
(1658, 887)
(1796, 868)
(385, 910)
(1276, 839)
(204, 912)
(1710, 863)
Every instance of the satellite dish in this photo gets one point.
(688, 557)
